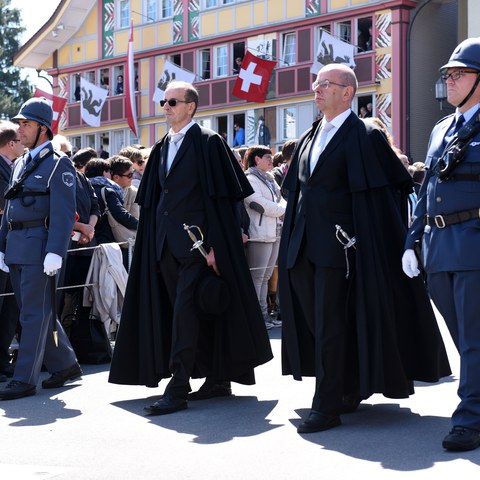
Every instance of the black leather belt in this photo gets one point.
(28, 224)
(442, 221)
(465, 177)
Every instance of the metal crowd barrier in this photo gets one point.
(131, 244)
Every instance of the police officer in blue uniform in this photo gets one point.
(34, 236)
(446, 221)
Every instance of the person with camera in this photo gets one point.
(34, 236)
(446, 221)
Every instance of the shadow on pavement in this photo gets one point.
(216, 420)
(52, 409)
(393, 436)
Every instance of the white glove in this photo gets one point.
(52, 264)
(410, 263)
(3, 265)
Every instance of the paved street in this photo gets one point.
(94, 430)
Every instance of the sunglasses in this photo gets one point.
(172, 102)
(128, 175)
(140, 162)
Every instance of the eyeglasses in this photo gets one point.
(128, 175)
(325, 84)
(456, 75)
(172, 102)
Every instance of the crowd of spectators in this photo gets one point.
(110, 182)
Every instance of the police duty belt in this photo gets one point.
(442, 221)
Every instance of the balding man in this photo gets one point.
(350, 317)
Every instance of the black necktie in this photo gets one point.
(447, 140)
(459, 124)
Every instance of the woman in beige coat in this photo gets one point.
(265, 208)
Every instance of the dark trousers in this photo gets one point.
(8, 319)
(320, 296)
(34, 296)
(457, 298)
(180, 277)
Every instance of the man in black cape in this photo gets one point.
(186, 316)
(351, 318)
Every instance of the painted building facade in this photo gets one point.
(89, 38)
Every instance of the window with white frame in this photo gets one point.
(221, 61)
(205, 122)
(75, 91)
(90, 76)
(123, 13)
(204, 63)
(76, 143)
(364, 34)
(289, 54)
(151, 10)
(343, 30)
(156, 10)
(289, 122)
(217, 3)
(167, 8)
(105, 78)
(118, 82)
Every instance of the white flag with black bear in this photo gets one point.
(332, 50)
(92, 100)
(171, 72)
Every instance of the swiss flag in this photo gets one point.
(253, 79)
(57, 103)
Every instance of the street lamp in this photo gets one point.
(441, 91)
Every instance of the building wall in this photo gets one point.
(432, 40)
(473, 18)
(100, 44)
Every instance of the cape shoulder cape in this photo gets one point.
(397, 336)
(237, 343)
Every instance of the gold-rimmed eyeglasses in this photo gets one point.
(325, 84)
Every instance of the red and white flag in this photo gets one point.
(131, 107)
(253, 79)
(57, 104)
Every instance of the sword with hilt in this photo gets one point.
(197, 242)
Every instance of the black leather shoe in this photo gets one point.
(318, 422)
(166, 405)
(15, 389)
(210, 390)
(461, 439)
(58, 379)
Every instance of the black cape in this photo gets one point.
(230, 345)
(395, 334)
